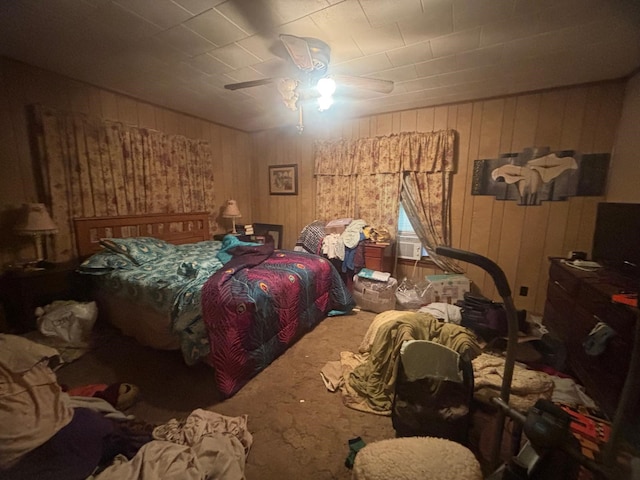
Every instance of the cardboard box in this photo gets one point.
(447, 288)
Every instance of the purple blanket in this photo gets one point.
(260, 303)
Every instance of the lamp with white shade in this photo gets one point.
(232, 211)
(35, 222)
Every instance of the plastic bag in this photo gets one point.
(412, 295)
(68, 321)
(374, 295)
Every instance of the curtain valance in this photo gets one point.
(418, 152)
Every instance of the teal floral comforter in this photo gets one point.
(166, 277)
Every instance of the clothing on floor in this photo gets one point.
(75, 451)
(201, 423)
(203, 445)
(34, 407)
(444, 311)
(120, 395)
(355, 445)
(216, 456)
(596, 341)
(527, 386)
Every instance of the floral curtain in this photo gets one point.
(366, 174)
(427, 202)
(92, 168)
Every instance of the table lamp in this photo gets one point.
(231, 211)
(36, 222)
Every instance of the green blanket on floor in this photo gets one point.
(374, 380)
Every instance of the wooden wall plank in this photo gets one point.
(426, 119)
(459, 186)
(482, 221)
(548, 133)
(408, 121)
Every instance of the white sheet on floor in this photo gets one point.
(205, 445)
(201, 423)
(216, 456)
(567, 391)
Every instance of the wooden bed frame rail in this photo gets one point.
(176, 228)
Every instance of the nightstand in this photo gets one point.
(22, 291)
(242, 238)
(378, 256)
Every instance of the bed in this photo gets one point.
(234, 305)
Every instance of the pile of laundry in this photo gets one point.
(50, 433)
(366, 379)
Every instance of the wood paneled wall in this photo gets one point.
(519, 238)
(22, 85)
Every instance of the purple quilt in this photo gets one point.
(261, 302)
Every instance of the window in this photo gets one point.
(406, 229)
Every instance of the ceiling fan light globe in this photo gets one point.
(324, 102)
(326, 86)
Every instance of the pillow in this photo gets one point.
(139, 249)
(104, 262)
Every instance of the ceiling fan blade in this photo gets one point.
(374, 84)
(249, 84)
(298, 50)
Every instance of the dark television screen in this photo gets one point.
(616, 241)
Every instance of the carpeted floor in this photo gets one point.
(300, 429)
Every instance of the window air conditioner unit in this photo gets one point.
(409, 247)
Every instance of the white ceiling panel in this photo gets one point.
(379, 39)
(216, 28)
(383, 12)
(456, 42)
(186, 40)
(416, 53)
(235, 56)
(163, 13)
(181, 53)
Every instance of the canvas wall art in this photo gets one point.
(537, 174)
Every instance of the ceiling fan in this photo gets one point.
(311, 57)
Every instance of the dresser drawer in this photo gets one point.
(566, 281)
(589, 298)
(555, 321)
(378, 257)
(622, 320)
(560, 298)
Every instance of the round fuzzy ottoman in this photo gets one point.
(411, 458)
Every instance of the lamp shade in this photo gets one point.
(35, 220)
(231, 210)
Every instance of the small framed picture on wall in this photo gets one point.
(283, 179)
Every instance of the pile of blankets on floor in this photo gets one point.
(367, 379)
(48, 434)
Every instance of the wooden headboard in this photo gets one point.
(174, 228)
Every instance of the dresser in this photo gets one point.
(576, 302)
